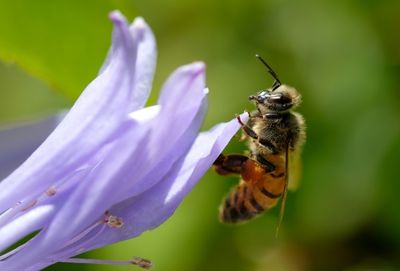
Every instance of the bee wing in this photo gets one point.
(294, 169)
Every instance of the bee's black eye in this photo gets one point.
(279, 99)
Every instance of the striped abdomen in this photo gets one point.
(257, 191)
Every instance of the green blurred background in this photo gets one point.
(343, 56)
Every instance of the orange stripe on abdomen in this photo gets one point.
(245, 202)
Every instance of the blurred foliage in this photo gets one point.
(343, 56)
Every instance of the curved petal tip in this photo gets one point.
(194, 69)
(116, 17)
(198, 67)
(140, 23)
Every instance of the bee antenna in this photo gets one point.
(277, 82)
(284, 196)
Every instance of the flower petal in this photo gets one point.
(93, 120)
(18, 142)
(145, 63)
(53, 205)
(181, 116)
(27, 223)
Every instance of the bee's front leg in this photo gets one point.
(251, 133)
(247, 129)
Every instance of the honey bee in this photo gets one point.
(275, 135)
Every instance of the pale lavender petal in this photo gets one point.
(186, 89)
(31, 221)
(18, 142)
(145, 63)
(177, 148)
(94, 119)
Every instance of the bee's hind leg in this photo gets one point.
(230, 164)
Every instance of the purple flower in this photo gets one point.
(112, 168)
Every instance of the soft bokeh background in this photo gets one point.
(343, 56)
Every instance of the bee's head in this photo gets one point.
(281, 99)
(278, 98)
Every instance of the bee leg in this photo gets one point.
(250, 132)
(230, 164)
(269, 167)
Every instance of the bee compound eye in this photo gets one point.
(275, 97)
(280, 99)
